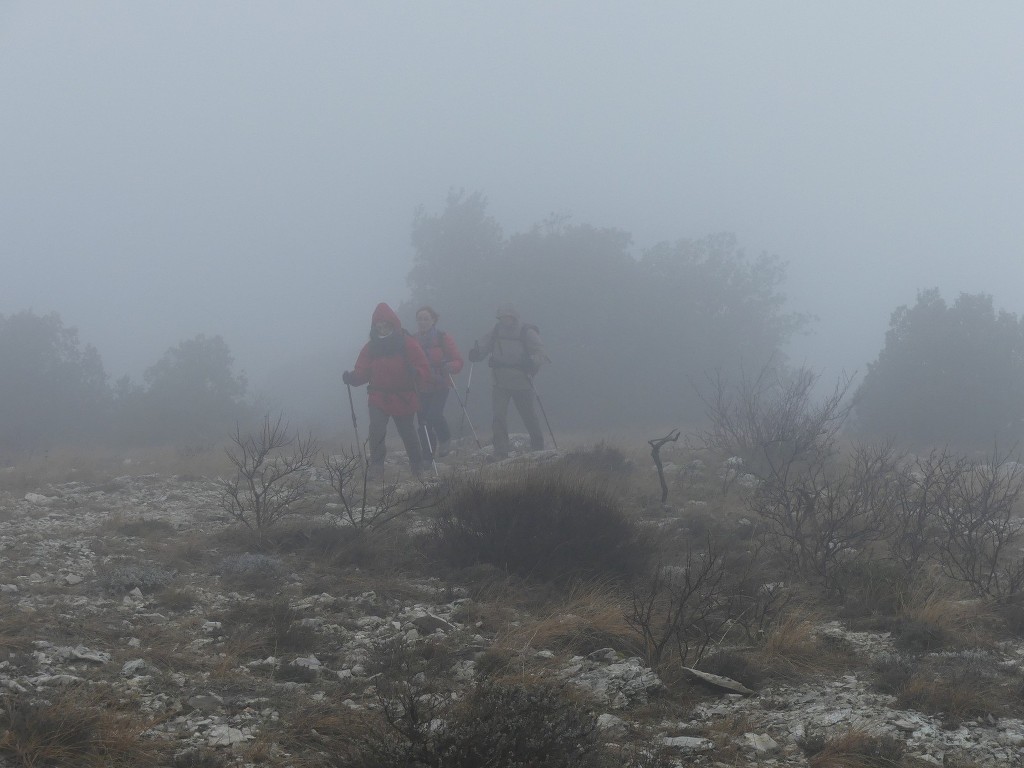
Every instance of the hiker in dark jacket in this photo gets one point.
(516, 354)
(445, 361)
(392, 363)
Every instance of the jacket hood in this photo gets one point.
(385, 314)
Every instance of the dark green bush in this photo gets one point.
(601, 459)
(538, 525)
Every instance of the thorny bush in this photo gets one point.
(539, 525)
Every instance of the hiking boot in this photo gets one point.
(444, 448)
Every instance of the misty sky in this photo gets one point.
(251, 169)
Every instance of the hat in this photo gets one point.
(506, 310)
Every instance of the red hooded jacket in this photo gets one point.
(440, 349)
(393, 367)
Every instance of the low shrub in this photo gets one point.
(503, 723)
(268, 627)
(251, 570)
(538, 525)
(120, 579)
(602, 460)
(957, 686)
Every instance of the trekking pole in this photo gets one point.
(462, 402)
(426, 434)
(543, 413)
(355, 427)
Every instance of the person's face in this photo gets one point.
(507, 321)
(424, 321)
(383, 328)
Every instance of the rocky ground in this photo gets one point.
(133, 596)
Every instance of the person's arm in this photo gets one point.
(361, 373)
(451, 354)
(482, 348)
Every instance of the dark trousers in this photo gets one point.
(432, 420)
(406, 430)
(523, 398)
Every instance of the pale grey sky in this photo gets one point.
(251, 168)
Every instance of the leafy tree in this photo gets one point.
(628, 332)
(192, 393)
(52, 388)
(715, 309)
(947, 374)
(454, 261)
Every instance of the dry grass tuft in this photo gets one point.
(855, 748)
(18, 628)
(793, 649)
(78, 727)
(589, 617)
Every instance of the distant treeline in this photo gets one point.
(54, 391)
(635, 341)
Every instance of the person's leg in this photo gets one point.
(406, 426)
(499, 422)
(378, 432)
(524, 400)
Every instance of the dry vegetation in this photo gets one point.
(542, 567)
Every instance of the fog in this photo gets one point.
(252, 169)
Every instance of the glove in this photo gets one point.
(475, 354)
(346, 377)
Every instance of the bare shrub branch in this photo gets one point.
(350, 478)
(772, 421)
(980, 528)
(824, 519)
(679, 606)
(268, 484)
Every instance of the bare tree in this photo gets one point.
(823, 518)
(980, 528)
(269, 483)
(772, 421)
(680, 606)
(362, 506)
(926, 486)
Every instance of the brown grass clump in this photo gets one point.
(855, 748)
(960, 623)
(589, 617)
(960, 687)
(266, 627)
(18, 628)
(326, 734)
(78, 727)
(793, 649)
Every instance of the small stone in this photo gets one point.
(688, 743)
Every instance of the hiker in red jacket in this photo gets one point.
(445, 361)
(393, 366)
